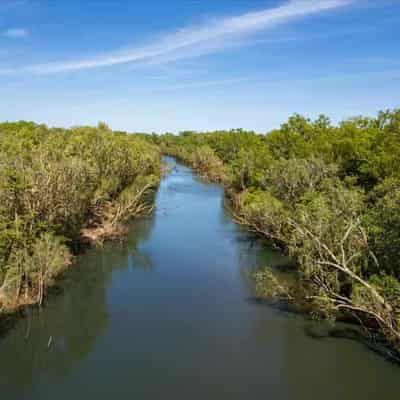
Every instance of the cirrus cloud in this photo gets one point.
(214, 35)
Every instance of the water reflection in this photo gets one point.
(167, 314)
(52, 340)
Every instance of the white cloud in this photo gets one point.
(16, 33)
(212, 36)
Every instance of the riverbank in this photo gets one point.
(107, 226)
(171, 309)
(61, 190)
(301, 189)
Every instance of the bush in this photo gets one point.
(330, 195)
(54, 183)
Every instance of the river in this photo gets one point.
(169, 314)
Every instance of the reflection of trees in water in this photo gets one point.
(254, 254)
(131, 247)
(65, 331)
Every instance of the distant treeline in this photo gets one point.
(330, 196)
(59, 188)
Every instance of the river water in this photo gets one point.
(169, 314)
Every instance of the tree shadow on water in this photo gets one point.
(50, 340)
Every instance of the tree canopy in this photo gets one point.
(327, 194)
(55, 183)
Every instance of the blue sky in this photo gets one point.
(160, 65)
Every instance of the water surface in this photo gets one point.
(168, 315)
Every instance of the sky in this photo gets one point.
(167, 66)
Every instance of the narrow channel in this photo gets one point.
(169, 314)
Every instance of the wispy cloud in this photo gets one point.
(390, 73)
(15, 33)
(214, 35)
(209, 83)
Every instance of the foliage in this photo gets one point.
(330, 196)
(383, 221)
(54, 183)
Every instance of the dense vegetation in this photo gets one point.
(328, 195)
(59, 188)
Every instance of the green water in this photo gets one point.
(168, 315)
